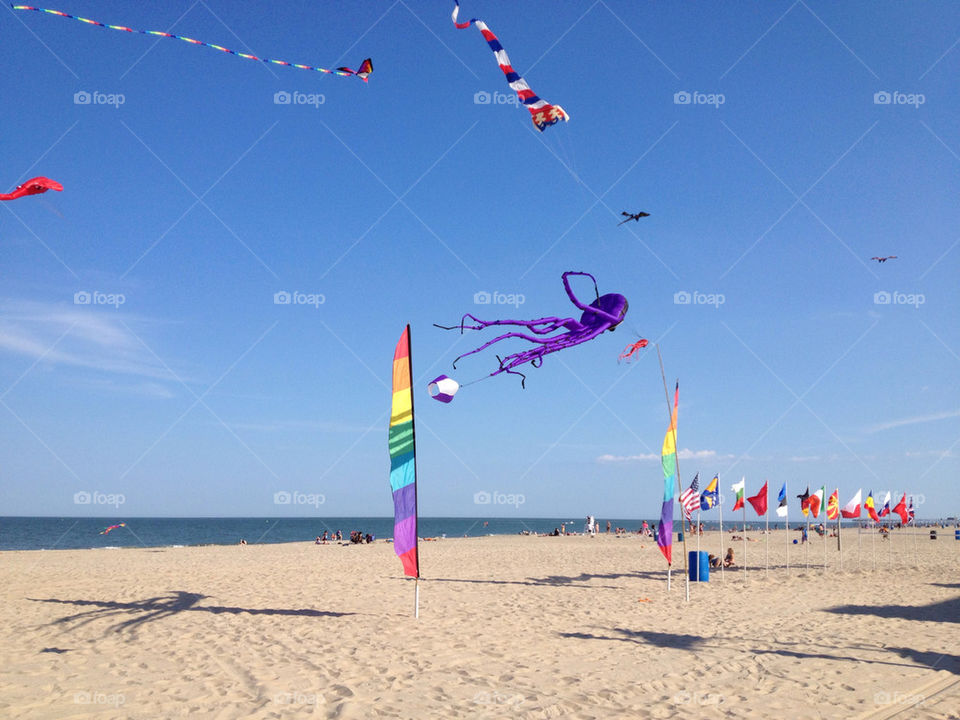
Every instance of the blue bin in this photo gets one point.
(956, 534)
(680, 536)
(698, 566)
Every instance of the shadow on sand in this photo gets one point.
(947, 611)
(157, 608)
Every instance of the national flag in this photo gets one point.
(833, 505)
(668, 461)
(711, 496)
(852, 508)
(782, 508)
(816, 501)
(805, 502)
(690, 498)
(901, 509)
(759, 501)
(886, 506)
(738, 489)
(871, 510)
(910, 514)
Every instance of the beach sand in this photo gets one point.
(526, 627)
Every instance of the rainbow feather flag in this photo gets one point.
(403, 464)
(668, 459)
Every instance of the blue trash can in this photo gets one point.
(698, 566)
(680, 536)
(956, 534)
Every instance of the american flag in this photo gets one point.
(910, 513)
(690, 498)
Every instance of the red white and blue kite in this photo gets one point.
(542, 113)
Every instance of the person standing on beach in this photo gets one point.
(608, 527)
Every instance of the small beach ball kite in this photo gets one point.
(443, 388)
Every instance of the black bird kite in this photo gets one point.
(632, 216)
(884, 259)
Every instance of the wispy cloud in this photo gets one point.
(308, 425)
(915, 420)
(685, 454)
(943, 454)
(804, 458)
(57, 334)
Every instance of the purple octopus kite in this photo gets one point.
(604, 313)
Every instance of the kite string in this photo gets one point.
(343, 72)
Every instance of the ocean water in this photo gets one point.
(65, 533)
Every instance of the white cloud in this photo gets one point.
(804, 458)
(685, 454)
(77, 336)
(915, 420)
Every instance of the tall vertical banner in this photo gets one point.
(403, 464)
(668, 459)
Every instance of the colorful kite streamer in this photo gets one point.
(542, 112)
(106, 531)
(366, 67)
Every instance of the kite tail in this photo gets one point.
(542, 113)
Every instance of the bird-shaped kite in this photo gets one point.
(632, 216)
(33, 186)
(884, 259)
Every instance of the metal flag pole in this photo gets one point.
(786, 525)
(744, 481)
(839, 515)
(766, 534)
(722, 555)
(806, 546)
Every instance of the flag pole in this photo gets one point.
(859, 542)
(839, 515)
(766, 538)
(824, 539)
(722, 555)
(744, 480)
(873, 543)
(786, 526)
(913, 521)
(806, 546)
(416, 601)
(676, 464)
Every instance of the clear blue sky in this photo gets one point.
(198, 198)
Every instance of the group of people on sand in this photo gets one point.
(357, 537)
(328, 536)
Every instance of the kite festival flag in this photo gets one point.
(833, 505)
(668, 459)
(782, 508)
(738, 488)
(805, 502)
(871, 510)
(403, 465)
(885, 510)
(759, 501)
(816, 500)
(711, 496)
(901, 509)
(852, 508)
(690, 499)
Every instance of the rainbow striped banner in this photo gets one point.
(403, 464)
(668, 459)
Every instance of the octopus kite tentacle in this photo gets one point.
(542, 113)
(366, 67)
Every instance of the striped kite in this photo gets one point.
(106, 531)
(542, 112)
(366, 67)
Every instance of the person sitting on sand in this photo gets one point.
(339, 536)
(242, 541)
(317, 541)
(714, 560)
(728, 559)
(323, 540)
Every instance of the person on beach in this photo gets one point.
(803, 534)
(728, 559)
(339, 536)
(608, 527)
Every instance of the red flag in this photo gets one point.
(901, 509)
(852, 508)
(833, 505)
(759, 501)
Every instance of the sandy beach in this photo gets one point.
(528, 627)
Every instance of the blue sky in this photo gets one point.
(197, 198)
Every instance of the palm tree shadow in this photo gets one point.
(159, 607)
